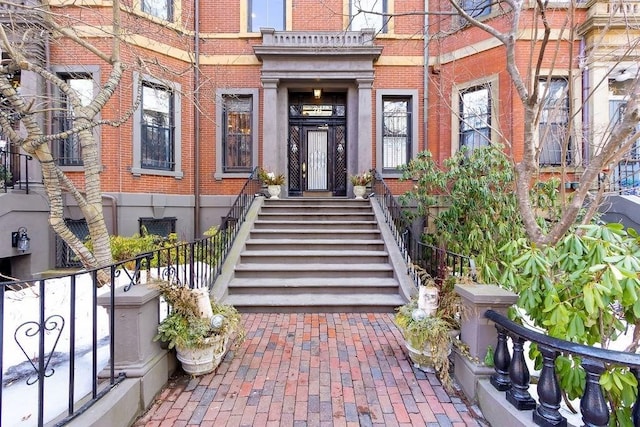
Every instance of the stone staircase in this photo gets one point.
(314, 255)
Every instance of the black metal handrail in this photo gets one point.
(512, 375)
(11, 163)
(237, 214)
(193, 264)
(437, 262)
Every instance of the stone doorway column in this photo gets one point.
(271, 157)
(365, 131)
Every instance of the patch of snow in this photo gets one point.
(21, 319)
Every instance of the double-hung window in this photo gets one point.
(237, 138)
(266, 14)
(626, 174)
(555, 142)
(618, 96)
(476, 8)
(67, 149)
(162, 9)
(367, 14)
(396, 132)
(157, 128)
(475, 117)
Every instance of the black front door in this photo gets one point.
(317, 146)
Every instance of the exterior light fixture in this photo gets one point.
(317, 93)
(20, 239)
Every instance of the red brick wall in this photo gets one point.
(220, 19)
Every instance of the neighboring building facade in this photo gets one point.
(318, 91)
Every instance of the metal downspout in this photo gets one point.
(425, 75)
(196, 123)
(586, 111)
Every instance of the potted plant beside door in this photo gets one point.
(360, 183)
(273, 181)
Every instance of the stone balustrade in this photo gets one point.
(307, 39)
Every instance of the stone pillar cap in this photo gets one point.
(485, 294)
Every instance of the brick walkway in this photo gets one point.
(312, 370)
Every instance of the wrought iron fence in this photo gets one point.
(437, 262)
(512, 374)
(624, 178)
(12, 163)
(53, 328)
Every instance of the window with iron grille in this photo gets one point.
(65, 257)
(367, 14)
(619, 90)
(237, 139)
(475, 117)
(396, 138)
(67, 150)
(162, 9)
(157, 133)
(555, 142)
(157, 226)
(266, 14)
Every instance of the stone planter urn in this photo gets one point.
(274, 191)
(359, 191)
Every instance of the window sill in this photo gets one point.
(218, 176)
(559, 169)
(391, 174)
(74, 168)
(141, 171)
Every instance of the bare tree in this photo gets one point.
(539, 37)
(23, 123)
(28, 32)
(615, 143)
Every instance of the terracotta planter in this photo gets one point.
(200, 361)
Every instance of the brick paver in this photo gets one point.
(342, 369)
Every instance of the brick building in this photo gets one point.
(315, 90)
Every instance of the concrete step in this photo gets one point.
(337, 245)
(301, 271)
(314, 257)
(313, 285)
(315, 234)
(317, 216)
(279, 208)
(329, 226)
(317, 201)
(328, 303)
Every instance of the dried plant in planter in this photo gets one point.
(199, 328)
(429, 337)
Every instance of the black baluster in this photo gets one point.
(547, 414)
(501, 361)
(593, 406)
(518, 395)
(635, 414)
